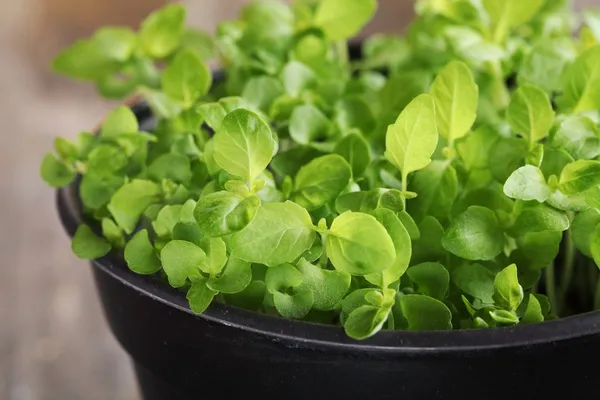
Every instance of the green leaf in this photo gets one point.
(112, 233)
(475, 280)
(354, 113)
(527, 183)
(402, 246)
(358, 244)
(539, 249)
(223, 213)
(504, 317)
(181, 260)
(235, 278)
(55, 172)
(189, 232)
(365, 321)
(474, 235)
(87, 246)
(308, 124)
(140, 255)
(431, 278)
(508, 294)
(171, 166)
(244, 145)
(410, 225)
(437, 188)
(508, 14)
(106, 160)
(342, 19)
(321, 181)
(579, 176)
(595, 245)
(505, 156)
(328, 287)
(96, 191)
(545, 63)
(425, 313)
(279, 233)
(216, 255)
(536, 217)
(161, 33)
(186, 78)
(456, 96)
(581, 82)
(297, 77)
(579, 136)
(429, 246)
(261, 92)
(355, 149)
(411, 141)
(250, 298)
(533, 312)
(130, 202)
(200, 296)
(530, 113)
(279, 280)
(120, 120)
(582, 229)
(294, 306)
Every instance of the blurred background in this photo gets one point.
(54, 343)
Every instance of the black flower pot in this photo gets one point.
(229, 353)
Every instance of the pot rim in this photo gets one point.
(314, 335)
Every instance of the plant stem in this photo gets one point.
(568, 265)
(597, 295)
(551, 288)
(404, 183)
(323, 259)
(341, 49)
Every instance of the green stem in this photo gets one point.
(404, 183)
(551, 288)
(501, 96)
(323, 259)
(568, 266)
(597, 295)
(341, 49)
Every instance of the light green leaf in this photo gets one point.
(579, 136)
(279, 280)
(216, 255)
(297, 77)
(355, 149)
(140, 255)
(261, 92)
(293, 306)
(431, 278)
(172, 166)
(235, 278)
(223, 213)
(456, 95)
(410, 225)
(425, 313)
(181, 260)
(96, 191)
(244, 145)
(583, 227)
(581, 82)
(342, 19)
(530, 113)
(508, 294)
(87, 246)
(527, 183)
(579, 176)
(504, 317)
(55, 172)
(187, 231)
(321, 181)
(437, 188)
(533, 312)
(354, 113)
(508, 14)
(365, 321)
(112, 233)
(358, 244)
(131, 200)
(120, 120)
(186, 78)
(545, 63)
(411, 141)
(279, 233)
(308, 124)
(328, 287)
(474, 235)
(161, 33)
(475, 280)
(200, 296)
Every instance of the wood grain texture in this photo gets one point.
(54, 342)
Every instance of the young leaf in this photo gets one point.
(456, 95)
(508, 14)
(508, 294)
(181, 260)
(581, 82)
(223, 213)
(172, 166)
(504, 317)
(365, 321)
(533, 312)
(121, 120)
(475, 280)
(437, 188)
(161, 33)
(55, 172)
(321, 181)
(294, 306)
(411, 141)
(579, 176)
(342, 19)
(131, 200)
(582, 229)
(358, 244)
(579, 136)
(235, 278)
(328, 287)
(87, 246)
(186, 78)
(432, 279)
(425, 313)
(474, 235)
(140, 255)
(112, 233)
(355, 149)
(279, 280)
(308, 124)
(200, 296)
(527, 183)
(279, 233)
(244, 146)
(530, 113)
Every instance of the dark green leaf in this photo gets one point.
(425, 313)
(431, 278)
